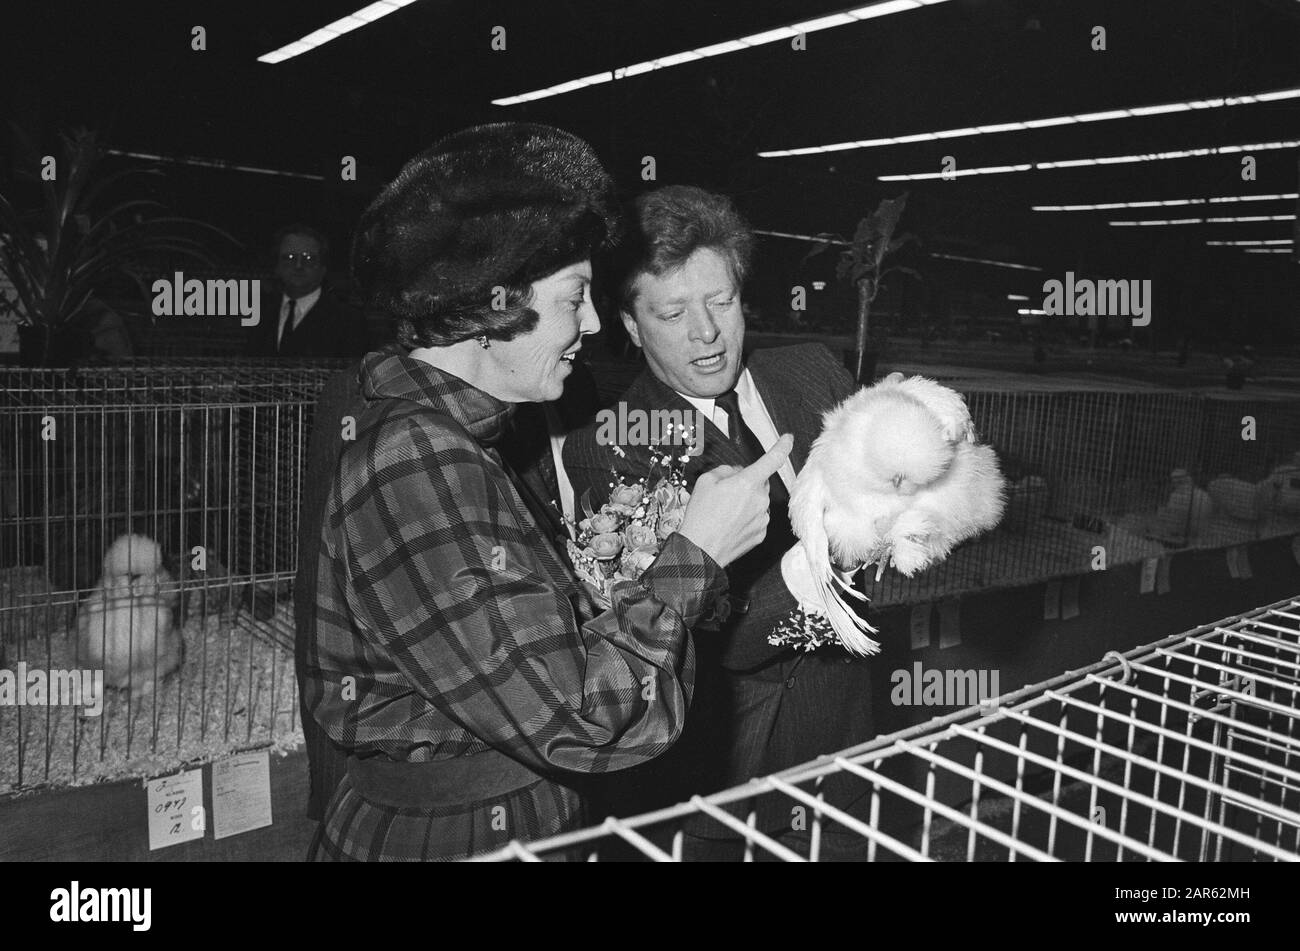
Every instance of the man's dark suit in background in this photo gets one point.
(331, 329)
(319, 324)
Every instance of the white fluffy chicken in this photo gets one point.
(126, 625)
(895, 477)
(1185, 516)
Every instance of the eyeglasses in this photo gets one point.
(306, 257)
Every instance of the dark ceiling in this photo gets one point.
(385, 91)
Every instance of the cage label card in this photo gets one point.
(175, 806)
(1150, 569)
(1052, 601)
(921, 625)
(1243, 562)
(1232, 556)
(241, 794)
(1070, 599)
(949, 623)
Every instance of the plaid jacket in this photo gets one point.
(446, 625)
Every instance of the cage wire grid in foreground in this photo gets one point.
(1187, 749)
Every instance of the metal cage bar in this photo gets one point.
(205, 460)
(1186, 749)
(1089, 468)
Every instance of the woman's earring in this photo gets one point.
(484, 342)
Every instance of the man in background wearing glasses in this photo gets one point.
(304, 320)
(300, 320)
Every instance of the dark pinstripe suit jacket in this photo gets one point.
(331, 329)
(797, 384)
(760, 709)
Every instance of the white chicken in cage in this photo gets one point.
(1239, 499)
(127, 623)
(1185, 516)
(1282, 488)
(894, 478)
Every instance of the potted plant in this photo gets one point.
(83, 234)
(861, 263)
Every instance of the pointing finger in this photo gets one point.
(772, 460)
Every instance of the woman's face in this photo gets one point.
(532, 367)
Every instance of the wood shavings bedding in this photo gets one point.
(235, 690)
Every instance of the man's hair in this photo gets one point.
(670, 224)
(307, 231)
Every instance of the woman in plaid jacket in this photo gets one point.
(452, 656)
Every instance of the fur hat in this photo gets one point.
(491, 205)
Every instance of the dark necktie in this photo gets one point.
(743, 438)
(288, 323)
(746, 647)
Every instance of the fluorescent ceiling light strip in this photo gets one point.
(1149, 224)
(332, 31)
(347, 24)
(884, 9)
(1048, 123)
(1113, 205)
(846, 18)
(994, 129)
(960, 257)
(376, 11)
(1030, 310)
(1251, 218)
(769, 36)
(213, 163)
(820, 239)
(1202, 221)
(1248, 243)
(1017, 297)
(1268, 251)
(826, 22)
(1107, 160)
(717, 49)
(803, 237)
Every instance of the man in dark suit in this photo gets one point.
(758, 708)
(300, 319)
(303, 319)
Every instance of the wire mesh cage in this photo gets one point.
(148, 522)
(1134, 473)
(1187, 749)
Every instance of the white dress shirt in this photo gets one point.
(561, 476)
(756, 417)
(301, 308)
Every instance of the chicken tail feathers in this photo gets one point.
(807, 511)
(849, 627)
(847, 588)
